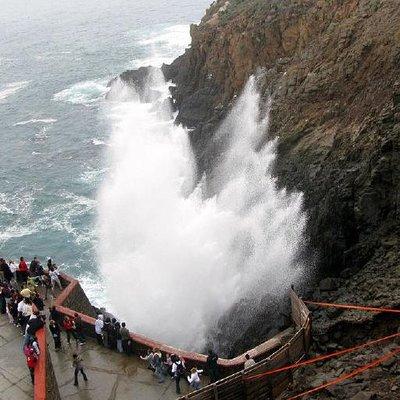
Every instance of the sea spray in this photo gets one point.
(174, 260)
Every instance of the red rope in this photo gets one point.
(348, 375)
(321, 358)
(354, 307)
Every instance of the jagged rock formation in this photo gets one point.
(332, 68)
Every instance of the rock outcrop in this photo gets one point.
(332, 68)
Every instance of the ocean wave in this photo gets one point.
(12, 88)
(173, 36)
(164, 46)
(85, 93)
(92, 175)
(62, 216)
(98, 142)
(36, 121)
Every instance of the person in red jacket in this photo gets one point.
(23, 270)
(69, 327)
(31, 361)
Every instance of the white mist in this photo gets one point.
(174, 261)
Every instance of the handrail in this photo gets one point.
(39, 387)
(229, 364)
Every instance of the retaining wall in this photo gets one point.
(45, 387)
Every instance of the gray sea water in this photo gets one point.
(56, 58)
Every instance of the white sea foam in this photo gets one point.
(11, 88)
(85, 93)
(36, 121)
(175, 36)
(164, 46)
(98, 142)
(187, 258)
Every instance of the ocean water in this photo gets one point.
(55, 61)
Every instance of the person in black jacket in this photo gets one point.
(56, 333)
(212, 366)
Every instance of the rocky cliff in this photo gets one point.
(332, 68)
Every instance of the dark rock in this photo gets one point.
(328, 285)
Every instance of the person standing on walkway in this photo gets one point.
(98, 328)
(79, 328)
(22, 271)
(78, 365)
(157, 363)
(125, 338)
(69, 327)
(31, 361)
(54, 278)
(194, 378)
(56, 333)
(178, 370)
(212, 366)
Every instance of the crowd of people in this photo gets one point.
(23, 302)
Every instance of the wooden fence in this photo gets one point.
(237, 387)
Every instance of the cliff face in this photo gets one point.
(333, 69)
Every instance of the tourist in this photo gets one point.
(98, 328)
(117, 327)
(38, 302)
(149, 358)
(107, 332)
(36, 322)
(157, 364)
(125, 338)
(5, 268)
(13, 269)
(194, 378)
(46, 284)
(33, 266)
(56, 333)
(54, 278)
(55, 315)
(249, 362)
(113, 334)
(31, 361)
(22, 272)
(10, 304)
(212, 366)
(79, 329)
(24, 312)
(168, 364)
(78, 365)
(69, 328)
(178, 371)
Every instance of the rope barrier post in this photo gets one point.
(215, 390)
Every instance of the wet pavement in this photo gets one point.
(111, 375)
(15, 381)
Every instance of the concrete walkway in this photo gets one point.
(111, 375)
(15, 381)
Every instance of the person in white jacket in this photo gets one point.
(194, 378)
(98, 328)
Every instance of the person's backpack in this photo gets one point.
(180, 369)
(28, 348)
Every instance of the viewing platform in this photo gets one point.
(113, 375)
